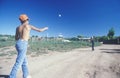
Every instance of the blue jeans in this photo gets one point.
(21, 60)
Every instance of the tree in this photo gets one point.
(80, 36)
(111, 33)
(102, 38)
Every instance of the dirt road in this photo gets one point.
(104, 62)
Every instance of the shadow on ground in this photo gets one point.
(111, 51)
(4, 76)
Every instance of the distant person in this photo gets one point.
(22, 37)
(92, 42)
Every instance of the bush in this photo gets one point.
(6, 43)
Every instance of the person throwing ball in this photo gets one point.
(22, 37)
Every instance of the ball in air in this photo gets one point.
(59, 15)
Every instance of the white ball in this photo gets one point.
(59, 15)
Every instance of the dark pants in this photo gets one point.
(92, 46)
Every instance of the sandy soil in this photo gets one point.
(79, 63)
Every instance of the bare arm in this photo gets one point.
(39, 29)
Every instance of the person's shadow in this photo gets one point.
(4, 76)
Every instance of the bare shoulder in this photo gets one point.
(28, 26)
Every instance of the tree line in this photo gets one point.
(110, 35)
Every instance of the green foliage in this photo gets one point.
(74, 39)
(7, 40)
(101, 38)
(80, 36)
(111, 33)
(6, 43)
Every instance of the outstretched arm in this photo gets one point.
(39, 29)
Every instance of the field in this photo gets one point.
(38, 47)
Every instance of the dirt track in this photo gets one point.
(80, 63)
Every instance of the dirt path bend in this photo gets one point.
(80, 63)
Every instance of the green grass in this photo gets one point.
(6, 43)
(43, 46)
(3, 54)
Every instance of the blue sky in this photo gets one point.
(78, 17)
